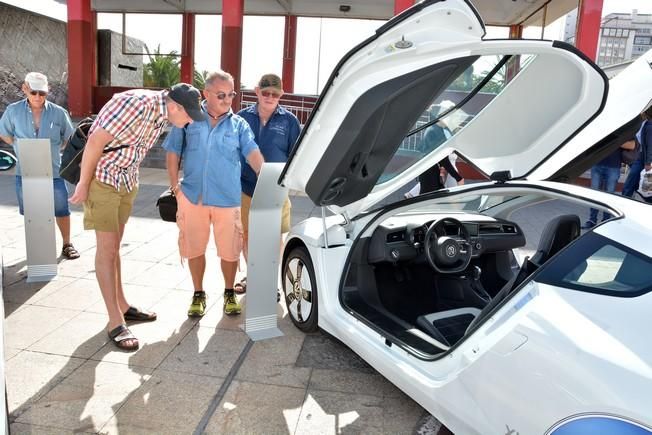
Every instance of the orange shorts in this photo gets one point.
(194, 222)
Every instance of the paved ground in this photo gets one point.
(189, 376)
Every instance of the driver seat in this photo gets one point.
(450, 326)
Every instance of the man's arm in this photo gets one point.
(7, 139)
(92, 153)
(172, 164)
(255, 160)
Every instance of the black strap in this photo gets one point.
(183, 144)
(108, 150)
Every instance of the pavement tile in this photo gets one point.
(26, 326)
(27, 386)
(273, 362)
(154, 250)
(352, 381)
(206, 351)
(137, 295)
(81, 337)
(78, 295)
(249, 408)
(157, 339)
(168, 403)
(159, 275)
(33, 429)
(334, 413)
(88, 398)
(23, 292)
(83, 267)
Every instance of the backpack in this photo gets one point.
(71, 156)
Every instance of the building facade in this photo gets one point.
(624, 37)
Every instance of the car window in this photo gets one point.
(597, 264)
(452, 110)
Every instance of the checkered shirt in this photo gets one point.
(135, 118)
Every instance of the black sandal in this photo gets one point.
(120, 335)
(69, 252)
(137, 315)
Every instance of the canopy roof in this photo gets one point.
(493, 12)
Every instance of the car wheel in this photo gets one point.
(300, 288)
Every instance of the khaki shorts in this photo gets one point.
(285, 215)
(194, 222)
(106, 209)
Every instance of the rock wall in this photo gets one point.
(114, 67)
(31, 42)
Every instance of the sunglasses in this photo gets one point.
(41, 93)
(223, 95)
(268, 94)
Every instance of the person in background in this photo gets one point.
(209, 193)
(109, 183)
(35, 117)
(644, 160)
(604, 176)
(276, 130)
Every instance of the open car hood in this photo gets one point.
(345, 157)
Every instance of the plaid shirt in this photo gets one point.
(135, 118)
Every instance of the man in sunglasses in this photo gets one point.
(209, 193)
(276, 130)
(36, 117)
(122, 134)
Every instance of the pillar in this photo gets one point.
(589, 17)
(289, 52)
(188, 48)
(81, 57)
(232, 16)
(401, 5)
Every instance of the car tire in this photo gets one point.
(301, 299)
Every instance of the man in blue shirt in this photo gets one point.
(209, 193)
(604, 176)
(35, 117)
(276, 130)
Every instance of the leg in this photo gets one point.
(227, 230)
(633, 178)
(106, 271)
(62, 215)
(595, 184)
(229, 269)
(197, 268)
(245, 204)
(613, 174)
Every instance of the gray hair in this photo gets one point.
(218, 75)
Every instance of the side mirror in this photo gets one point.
(7, 160)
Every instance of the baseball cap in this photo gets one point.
(188, 97)
(270, 81)
(37, 81)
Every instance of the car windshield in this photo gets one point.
(467, 203)
(454, 108)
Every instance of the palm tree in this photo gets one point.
(162, 70)
(199, 79)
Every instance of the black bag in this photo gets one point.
(72, 153)
(167, 202)
(629, 156)
(167, 206)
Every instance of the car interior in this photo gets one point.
(427, 276)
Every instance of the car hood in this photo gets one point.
(380, 89)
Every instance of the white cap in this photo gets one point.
(37, 81)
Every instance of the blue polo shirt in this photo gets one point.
(275, 139)
(17, 122)
(211, 160)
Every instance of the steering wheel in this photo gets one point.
(447, 254)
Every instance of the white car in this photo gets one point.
(447, 294)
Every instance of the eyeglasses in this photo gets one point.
(41, 93)
(223, 95)
(268, 94)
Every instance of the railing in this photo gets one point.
(300, 105)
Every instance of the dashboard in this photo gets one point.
(403, 238)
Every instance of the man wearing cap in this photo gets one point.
(35, 117)
(276, 130)
(126, 127)
(209, 193)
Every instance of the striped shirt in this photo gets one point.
(135, 118)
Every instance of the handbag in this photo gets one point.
(167, 202)
(630, 151)
(71, 156)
